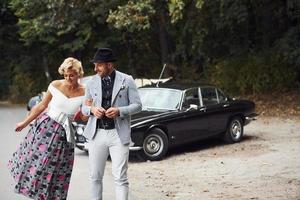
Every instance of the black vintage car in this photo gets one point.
(176, 114)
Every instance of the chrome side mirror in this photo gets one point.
(192, 107)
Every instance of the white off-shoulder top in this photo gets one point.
(62, 104)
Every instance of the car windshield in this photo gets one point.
(160, 98)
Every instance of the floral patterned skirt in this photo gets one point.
(42, 165)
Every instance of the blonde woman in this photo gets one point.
(42, 166)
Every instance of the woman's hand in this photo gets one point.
(20, 126)
(80, 117)
(89, 102)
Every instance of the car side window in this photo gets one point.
(209, 96)
(222, 97)
(191, 97)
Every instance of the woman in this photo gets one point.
(42, 166)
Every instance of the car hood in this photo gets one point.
(146, 116)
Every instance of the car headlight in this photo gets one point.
(79, 130)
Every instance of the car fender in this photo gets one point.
(241, 115)
(164, 128)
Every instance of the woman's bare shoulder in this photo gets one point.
(56, 83)
(82, 89)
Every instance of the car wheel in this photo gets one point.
(235, 130)
(155, 145)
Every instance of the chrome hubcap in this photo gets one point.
(153, 145)
(236, 129)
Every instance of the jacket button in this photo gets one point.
(120, 96)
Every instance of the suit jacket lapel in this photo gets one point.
(119, 79)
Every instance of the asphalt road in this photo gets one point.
(79, 186)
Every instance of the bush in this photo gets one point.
(253, 75)
(22, 88)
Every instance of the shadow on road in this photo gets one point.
(135, 157)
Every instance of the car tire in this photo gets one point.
(155, 145)
(235, 130)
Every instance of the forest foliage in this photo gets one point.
(242, 46)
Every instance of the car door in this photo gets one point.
(215, 105)
(226, 109)
(192, 124)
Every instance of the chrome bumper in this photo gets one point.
(135, 148)
(250, 118)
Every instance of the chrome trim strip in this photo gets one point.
(135, 148)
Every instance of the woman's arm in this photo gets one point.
(35, 112)
(86, 108)
(88, 102)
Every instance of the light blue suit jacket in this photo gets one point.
(125, 96)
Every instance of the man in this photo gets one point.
(111, 97)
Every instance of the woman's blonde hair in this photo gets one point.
(71, 63)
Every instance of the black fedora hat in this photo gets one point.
(103, 55)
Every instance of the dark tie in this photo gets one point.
(107, 91)
(106, 81)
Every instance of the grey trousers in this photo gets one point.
(107, 142)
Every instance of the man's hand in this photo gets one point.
(112, 112)
(98, 112)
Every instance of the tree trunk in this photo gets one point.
(163, 38)
(46, 69)
(166, 46)
(130, 61)
(130, 66)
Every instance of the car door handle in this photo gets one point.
(225, 105)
